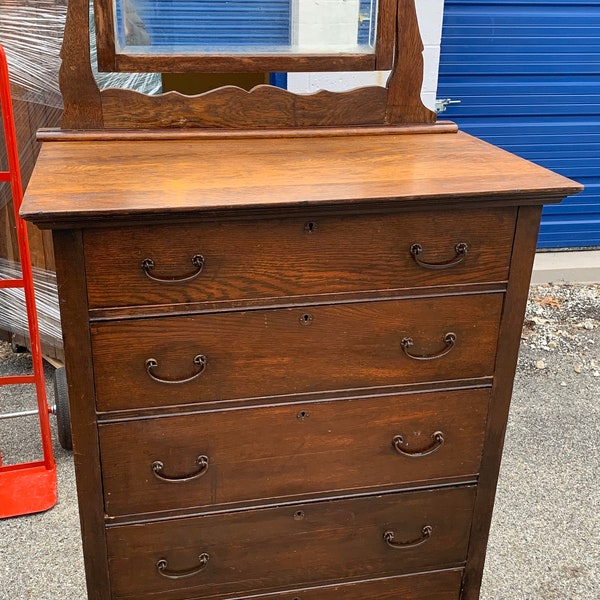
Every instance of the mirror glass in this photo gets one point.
(167, 27)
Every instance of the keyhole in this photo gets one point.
(310, 226)
(299, 515)
(303, 414)
(306, 319)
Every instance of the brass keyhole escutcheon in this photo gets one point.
(299, 515)
(310, 226)
(306, 319)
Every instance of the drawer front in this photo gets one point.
(294, 546)
(436, 585)
(225, 356)
(282, 451)
(275, 258)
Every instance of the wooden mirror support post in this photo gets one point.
(291, 326)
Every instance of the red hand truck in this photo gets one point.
(26, 487)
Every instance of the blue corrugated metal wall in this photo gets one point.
(215, 22)
(528, 75)
(227, 22)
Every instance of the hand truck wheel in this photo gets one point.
(61, 408)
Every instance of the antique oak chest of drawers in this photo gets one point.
(290, 360)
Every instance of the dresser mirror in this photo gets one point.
(243, 35)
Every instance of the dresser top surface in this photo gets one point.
(79, 181)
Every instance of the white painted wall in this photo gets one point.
(430, 14)
(311, 25)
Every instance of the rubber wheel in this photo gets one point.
(17, 348)
(63, 413)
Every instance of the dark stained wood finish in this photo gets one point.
(282, 451)
(386, 34)
(273, 352)
(70, 272)
(291, 546)
(234, 63)
(162, 178)
(105, 34)
(80, 93)
(235, 108)
(294, 257)
(49, 134)
(438, 585)
(508, 350)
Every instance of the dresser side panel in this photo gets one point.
(506, 361)
(70, 270)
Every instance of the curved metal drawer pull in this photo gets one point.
(449, 340)
(389, 536)
(201, 461)
(438, 442)
(199, 361)
(162, 568)
(461, 252)
(197, 261)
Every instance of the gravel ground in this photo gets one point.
(545, 541)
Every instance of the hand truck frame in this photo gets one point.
(25, 487)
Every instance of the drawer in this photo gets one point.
(224, 356)
(282, 451)
(436, 585)
(276, 258)
(294, 546)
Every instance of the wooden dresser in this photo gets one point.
(291, 323)
(290, 360)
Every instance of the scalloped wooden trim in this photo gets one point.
(235, 108)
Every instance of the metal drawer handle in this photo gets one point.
(449, 341)
(158, 466)
(461, 253)
(389, 536)
(162, 568)
(438, 442)
(199, 361)
(197, 261)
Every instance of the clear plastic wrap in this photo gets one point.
(13, 310)
(31, 33)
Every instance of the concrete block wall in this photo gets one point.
(312, 21)
(430, 14)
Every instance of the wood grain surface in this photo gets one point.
(70, 272)
(278, 258)
(436, 585)
(291, 450)
(295, 545)
(76, 181)
(232, 107)
(281, 351)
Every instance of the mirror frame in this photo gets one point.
(111, 60)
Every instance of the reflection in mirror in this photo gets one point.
(146, 83)
(245, 26)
